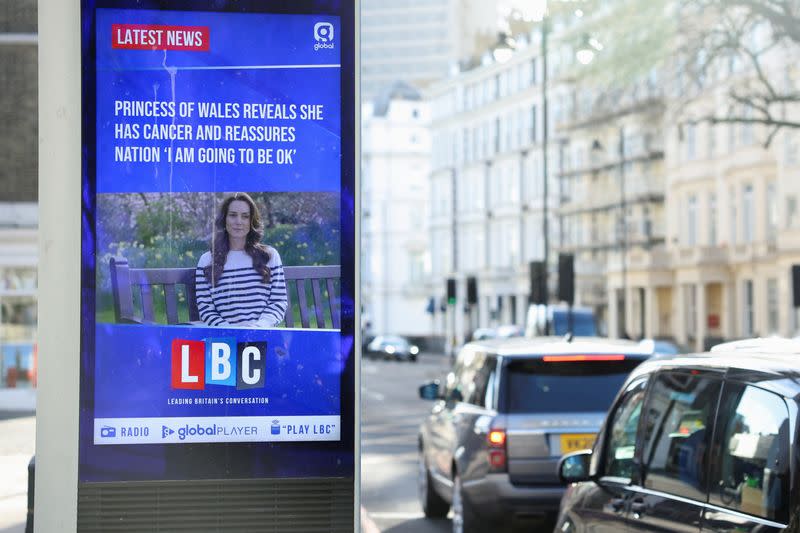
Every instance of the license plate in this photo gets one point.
(572, 442)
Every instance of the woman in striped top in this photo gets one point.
(240, 282)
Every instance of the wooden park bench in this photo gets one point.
(127, 282)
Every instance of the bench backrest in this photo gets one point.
(125, 281)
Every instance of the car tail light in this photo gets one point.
(578, 358)
(498, 460)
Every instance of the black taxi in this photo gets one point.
(704, 442)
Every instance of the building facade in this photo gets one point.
(487, 187)
(408, 40)
(680, 229)
(732, 218)
(394, 237)
(612, 201)
(18, 196)
(422, 41)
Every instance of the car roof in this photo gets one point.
(527, 346)
(772, 363)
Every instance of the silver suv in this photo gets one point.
(505, 415)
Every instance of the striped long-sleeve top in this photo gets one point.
(241, 298)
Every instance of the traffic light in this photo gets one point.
(472, 290)
(538, 274)
(566, 278)
(451, 291)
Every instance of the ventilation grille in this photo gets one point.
(260, 505)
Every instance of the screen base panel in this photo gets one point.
(247, 505)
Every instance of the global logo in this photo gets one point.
(198, 430)
(166, 432)
(323, 35)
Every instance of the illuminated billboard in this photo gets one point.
(218, 296)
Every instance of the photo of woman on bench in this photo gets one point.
(252, 260)
(240, 281)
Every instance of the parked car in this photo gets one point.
(481, 334)
(542, 320)
(393, 347)
(502, 419)
(704, 443)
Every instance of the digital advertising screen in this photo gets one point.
(218, 240)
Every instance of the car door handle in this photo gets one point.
(638, 507)
(617, 504)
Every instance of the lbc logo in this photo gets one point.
(220, 361)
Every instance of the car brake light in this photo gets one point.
(577, 358)
(497, 437)
(497, 450)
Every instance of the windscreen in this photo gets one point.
(536, 386)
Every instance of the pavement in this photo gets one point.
(17, 444)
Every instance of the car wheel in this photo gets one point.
(433, 505)
(464, 519)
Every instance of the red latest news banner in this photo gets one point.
(159, 37)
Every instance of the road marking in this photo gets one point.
(377, 396)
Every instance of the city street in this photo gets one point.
(17, 442)
(391, 414)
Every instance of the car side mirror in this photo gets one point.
(574, 467)
(430, 390)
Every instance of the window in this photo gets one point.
(751, 474)
(712, 219)
(478, 376)
(790, 148)
(536, 386)
(747, 213)
(772, 306)
(733, 219)
(677, 429)
(772, 212)
(791, 211)
(747, 127)
(712, 140)
(731, 137)
(747, 308)
(622, 433)
(416, 267)
(691, 140)
(691, 237)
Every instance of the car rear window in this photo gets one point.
(538, 386)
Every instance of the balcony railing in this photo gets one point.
(702, 255)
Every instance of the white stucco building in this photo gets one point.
(394, 197)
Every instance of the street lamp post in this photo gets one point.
(623, 232)
(545, 139)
